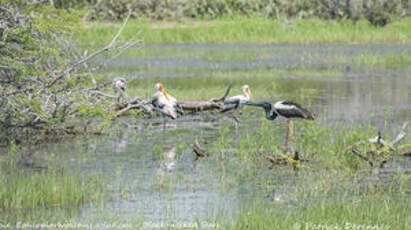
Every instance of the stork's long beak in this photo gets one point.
(165, 94)
(256, 104)
(249, 94)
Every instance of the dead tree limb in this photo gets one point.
(147, 107)
(212, 104)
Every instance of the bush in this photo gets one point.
(379, 12)
(44, 77)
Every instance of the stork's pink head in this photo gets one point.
(160, 88)
(247, 91)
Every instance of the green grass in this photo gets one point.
(49, 189)
(377, 210)
(318, 143)
(400, 61)
(254, 30)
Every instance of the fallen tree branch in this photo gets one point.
(212, 104)
(197, 106)
(147, 107)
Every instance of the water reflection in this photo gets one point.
(168, 163)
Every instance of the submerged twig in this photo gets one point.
(358, 154)
(198, 150)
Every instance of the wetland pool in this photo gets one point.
(152, 174)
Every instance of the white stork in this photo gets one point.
(165, 103)
(286, 109)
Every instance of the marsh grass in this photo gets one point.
(49, 189)
(387, 212)
(400, 61)
(254, 30)
(326, 146)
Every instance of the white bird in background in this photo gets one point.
(120, 85)
(165, 103)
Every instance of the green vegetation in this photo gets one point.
(379, 12)
(326, 146)
(48, 189)
(43, 77)
(254, 30)
(51, 187)
(383, 211)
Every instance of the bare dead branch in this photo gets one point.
(358, 154)
(227, 91)
(400, 135)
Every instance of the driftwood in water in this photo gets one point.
(373, 157)
(198, 150)
(124, 105)
(285, 159)
(144, 105)
(198, 106)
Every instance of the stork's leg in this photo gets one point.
(286, 135)
(164, 122)
(236, 120)
(291, 137)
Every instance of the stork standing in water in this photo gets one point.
(286, 109)
(165, 103)
(237, 102)
(120, 85)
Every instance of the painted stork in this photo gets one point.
(286, 109)
(165, 103)
(237, 102)
(120, 85)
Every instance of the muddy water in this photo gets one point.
(152, 173)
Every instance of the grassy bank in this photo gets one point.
(254, 30)
(50, 189)
(376, 212)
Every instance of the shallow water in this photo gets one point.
(153, 174)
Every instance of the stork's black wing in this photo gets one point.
(230, 105)
(290, 109)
